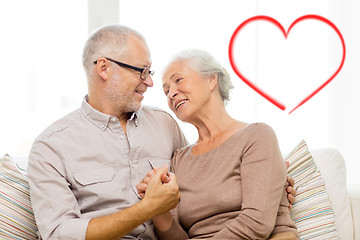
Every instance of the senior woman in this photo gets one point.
(232, 181)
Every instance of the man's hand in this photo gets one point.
(161, 191)
(160, 195)
(290, 189)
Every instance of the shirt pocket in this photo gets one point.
(92, 187)
(94, 176)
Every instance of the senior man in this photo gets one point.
(83, 169)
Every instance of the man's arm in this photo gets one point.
(159, 198)
(57, 211)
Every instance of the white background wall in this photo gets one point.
(42, 77)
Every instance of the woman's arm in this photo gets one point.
(263, 177)
(168, 229)
(165, 225)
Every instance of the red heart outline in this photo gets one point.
(276, 23)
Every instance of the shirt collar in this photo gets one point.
(101, 120)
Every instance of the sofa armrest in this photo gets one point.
(354, 194)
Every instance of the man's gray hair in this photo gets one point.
(104, 41)
(206, 65)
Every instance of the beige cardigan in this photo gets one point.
(235, 191)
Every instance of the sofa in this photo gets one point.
(345, 198)
(325, 208)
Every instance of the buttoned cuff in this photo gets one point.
(74, 229)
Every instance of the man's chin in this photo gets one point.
(135, 107)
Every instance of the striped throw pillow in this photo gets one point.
(16, 215)
(312, 211)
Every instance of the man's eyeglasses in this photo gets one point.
(144, 72)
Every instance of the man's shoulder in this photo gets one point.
(151, 110)
(59, 125)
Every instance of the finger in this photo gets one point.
(172, 178)
(291, 190)
(287, 164)
(164, 169)
(152, 173)
(291, 198)
(291, 181)
(146, 180)
(290, 206)
(141, 187)
(157, 177)
(165, 178)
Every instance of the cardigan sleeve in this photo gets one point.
(263, 177)
(175, 232)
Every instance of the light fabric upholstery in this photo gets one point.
(354, 194)
(312, 211)
(16, 215)
(332, 167)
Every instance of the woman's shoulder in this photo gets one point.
(259, 129)
(260, 134)
(259, 126)
(180, 153)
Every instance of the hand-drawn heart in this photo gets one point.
(277, 24)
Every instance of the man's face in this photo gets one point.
(125, 87)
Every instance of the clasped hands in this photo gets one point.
(159, 189)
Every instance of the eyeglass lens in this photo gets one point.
(144, 74)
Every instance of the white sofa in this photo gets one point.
(344, 198)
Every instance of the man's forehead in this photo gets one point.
(138, 51)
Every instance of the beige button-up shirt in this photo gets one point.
(85, 166)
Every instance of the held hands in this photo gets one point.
(142, 185)
(290, 189)
(160, 189)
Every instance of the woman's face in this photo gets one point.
(186, 90)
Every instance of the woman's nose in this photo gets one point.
(172, 93)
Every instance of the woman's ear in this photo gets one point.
(102, 68)
(213, 80)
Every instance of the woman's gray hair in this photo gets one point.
(104, 41)
(206, 65)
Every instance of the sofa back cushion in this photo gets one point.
(312, 211)
(16, 215)
(332, 167)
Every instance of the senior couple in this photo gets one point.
(101, 172)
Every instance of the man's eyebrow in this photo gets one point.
(147, 65)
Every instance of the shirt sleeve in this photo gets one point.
(55, 207)
(263, 177)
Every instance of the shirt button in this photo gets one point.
(122, 137)
(113, 119)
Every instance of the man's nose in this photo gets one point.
(148, 81)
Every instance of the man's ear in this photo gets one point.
(102, 68)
